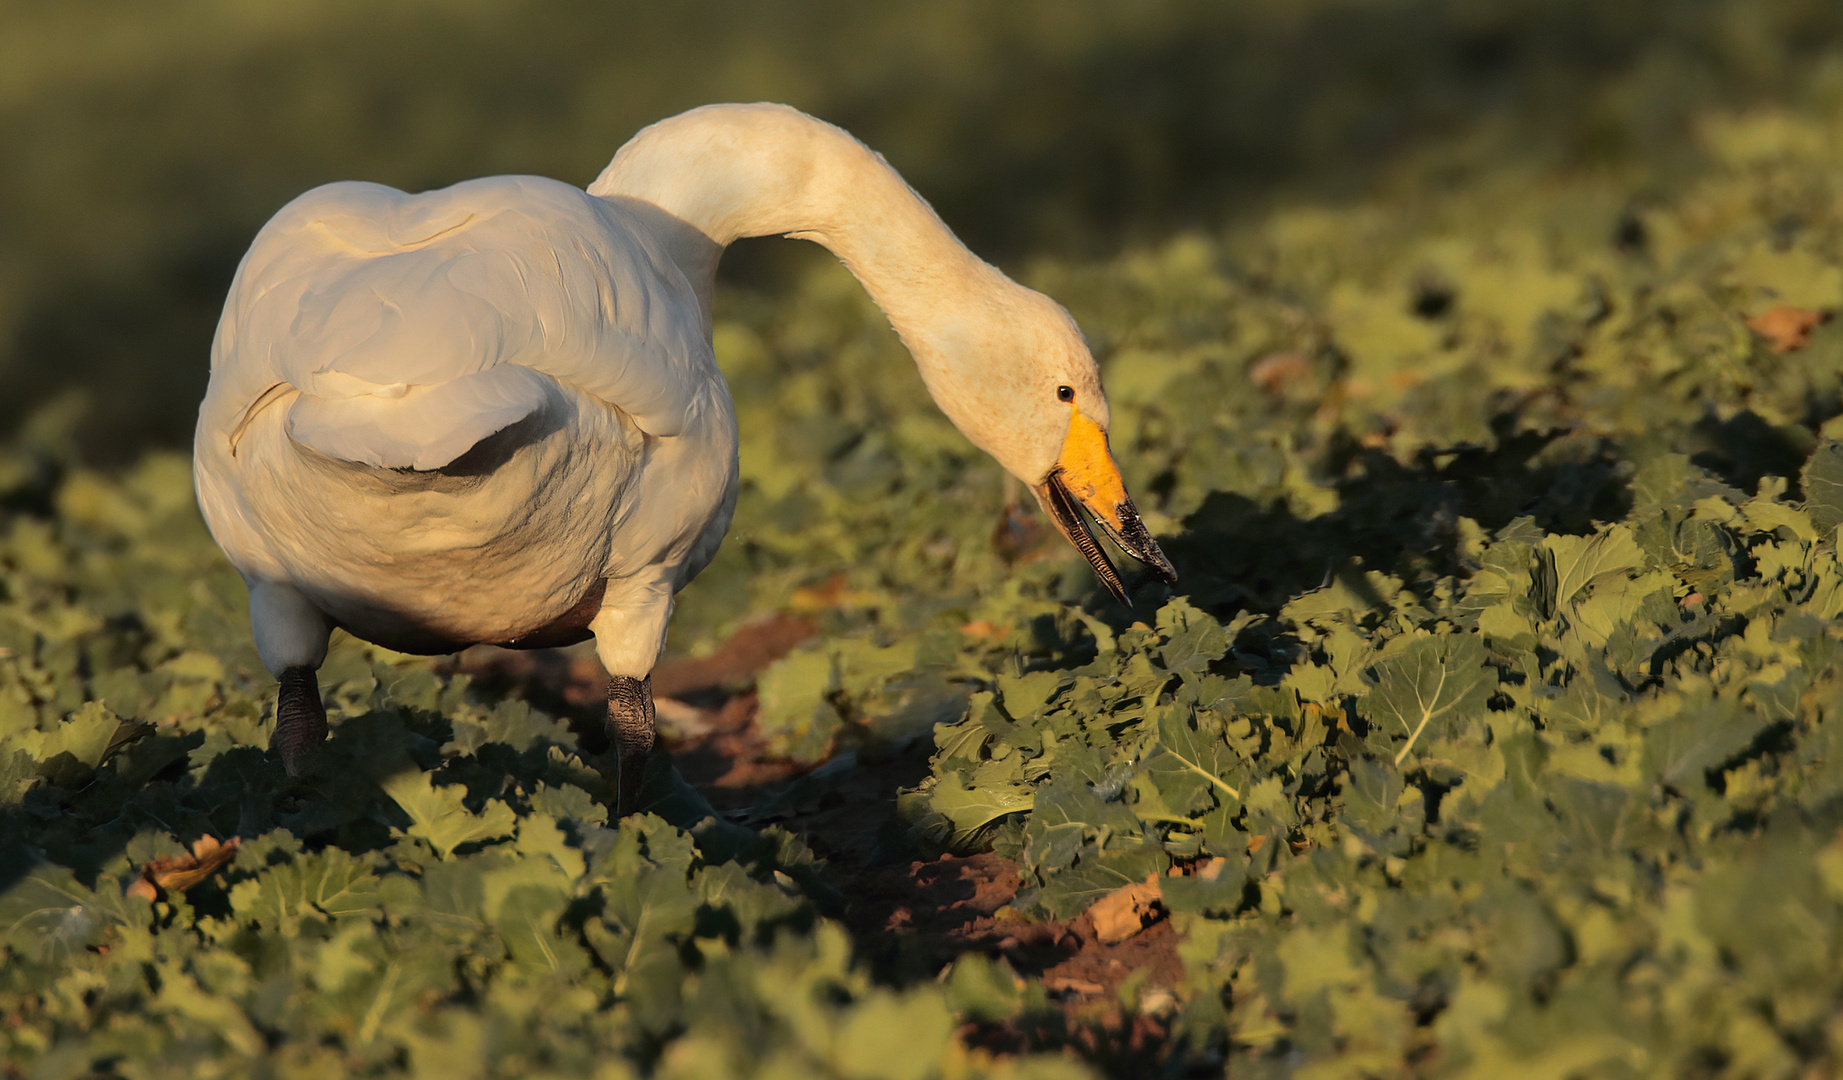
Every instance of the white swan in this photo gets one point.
(490, 413)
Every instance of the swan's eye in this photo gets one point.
(1065, 393)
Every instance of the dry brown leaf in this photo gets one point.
(1063, 984)
(177, 873)
(1275, 372)
(1786, 328)
(983, 630)
(1126, 911)
(1256, 843)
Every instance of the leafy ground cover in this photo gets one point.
(1491, 730)
(444, 896)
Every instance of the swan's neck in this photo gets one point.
(733, 171)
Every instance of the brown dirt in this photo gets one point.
(737, 660)
(910, 913)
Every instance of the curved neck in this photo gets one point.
(732, 171)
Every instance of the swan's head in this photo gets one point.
(1016, 376)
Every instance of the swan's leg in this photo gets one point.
(300, 719)
(630, 631)
(630, 721)
(291, 636)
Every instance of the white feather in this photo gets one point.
(417, 427)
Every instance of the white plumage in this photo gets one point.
(491, 413)
(373, 339)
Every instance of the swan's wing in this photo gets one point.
(416, 325)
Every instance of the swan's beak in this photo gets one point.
(1086, 478)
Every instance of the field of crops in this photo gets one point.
(1492, 729)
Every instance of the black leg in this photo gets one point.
(630, 722)
(300, 719)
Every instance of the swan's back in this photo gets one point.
(414, 326)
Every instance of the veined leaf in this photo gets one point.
(1823, 483)
(1580, 561)
(49, 916)
(1433, 683)
(647, 913)
(527, 924)
(1193, 639)
(1195, 753)
(329, 883)
(1072, 891)
(1679, 750)
(971, 807)
(438, 816)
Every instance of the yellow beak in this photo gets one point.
(1086, 478)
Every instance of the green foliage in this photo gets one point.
(1497, 725)
(444, 895)
(1521, 830)
(438, 816)
(1493, 730)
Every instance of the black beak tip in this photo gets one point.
(1154, 560)
(1136, 541)
(1161, 567)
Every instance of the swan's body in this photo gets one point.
(453, 418)
(490, 413)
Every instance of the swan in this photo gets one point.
(491, 414)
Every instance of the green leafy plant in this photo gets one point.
(1493, 730)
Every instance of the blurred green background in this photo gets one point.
(145, 143)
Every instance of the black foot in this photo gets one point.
(630, 722)
(300, 719)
